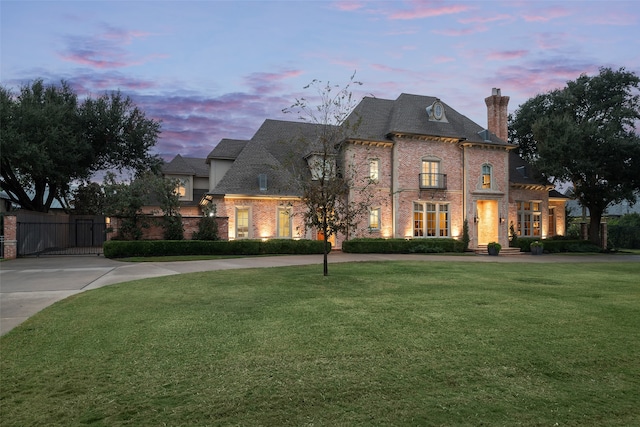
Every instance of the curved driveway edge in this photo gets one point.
(28, 285)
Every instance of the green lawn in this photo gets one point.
(393, 343)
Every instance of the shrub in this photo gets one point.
(143, 248)
(402, 246)
(207, 229)
(172, 227)
(624, 232)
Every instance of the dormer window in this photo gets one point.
(436, 112)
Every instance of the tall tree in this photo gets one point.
(326, 184)
(586, 134)
(48, 138)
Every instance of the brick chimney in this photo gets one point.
(497, 113)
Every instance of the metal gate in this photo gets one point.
(77, 236)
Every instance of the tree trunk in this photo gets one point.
(594, 226)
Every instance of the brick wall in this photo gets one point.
(10, 237)
(156, 232)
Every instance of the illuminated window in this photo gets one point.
(529, 219)
(242, 223)
(486, 177)
(431, 220)
(374, 169)
(374, 219)
(431, 176)
(284, 223)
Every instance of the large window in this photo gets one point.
(431, 176)
(242, 223)
(284, 222)
(529, 219)
(430, 219)
(374, 219)
(486, 177)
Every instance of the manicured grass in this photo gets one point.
(392, 343)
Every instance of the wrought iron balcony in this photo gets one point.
(433, 181)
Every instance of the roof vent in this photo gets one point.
(262, 181)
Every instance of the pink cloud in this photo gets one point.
(348, 6)
(461, 32)
(443, 59)
(105, 50)
(508, 54)
(486, 19)
(614, 19)
(547, 15)
(428, 10)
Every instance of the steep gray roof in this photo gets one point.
(277, 149)
(179, 165)
(521, 172)
(227, 149)
(408, 114)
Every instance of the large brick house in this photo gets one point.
(429, 168)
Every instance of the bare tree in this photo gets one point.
(329, 181)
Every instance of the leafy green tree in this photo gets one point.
(208, 225)
(125, 201)
(586, 134)
(88, 199)
(164, 192)
(48, 139)
(326, 189)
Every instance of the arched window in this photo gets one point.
(486, 176)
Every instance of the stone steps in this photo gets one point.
(482, 250)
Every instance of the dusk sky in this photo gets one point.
(217, 69)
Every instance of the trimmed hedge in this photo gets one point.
(402, 246)
(142, 248)
(558, 245)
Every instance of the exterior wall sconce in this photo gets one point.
(501, 220)
(475, 219)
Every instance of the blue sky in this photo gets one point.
(217, 69)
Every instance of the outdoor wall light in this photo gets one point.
(501, 220)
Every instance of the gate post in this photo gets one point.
(10, 237)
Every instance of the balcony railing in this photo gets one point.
(433, 181)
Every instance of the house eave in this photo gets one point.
(537, 187)
(422, 137)
(209, 197)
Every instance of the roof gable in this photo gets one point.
(179, 165)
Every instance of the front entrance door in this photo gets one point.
(488, 221)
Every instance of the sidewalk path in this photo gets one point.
(27, 285)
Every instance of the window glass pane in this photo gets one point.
(242, 223)
(373, 169)
(443, 221)
(284, 223)
(374, 219)
(486, 176)
(418, 220)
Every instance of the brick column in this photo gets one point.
(10, 237)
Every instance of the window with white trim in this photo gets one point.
(431, 219)
(242, 223)
(284, 222)
(529, 219)
(374, 219)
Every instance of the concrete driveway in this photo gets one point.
(27, 285)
